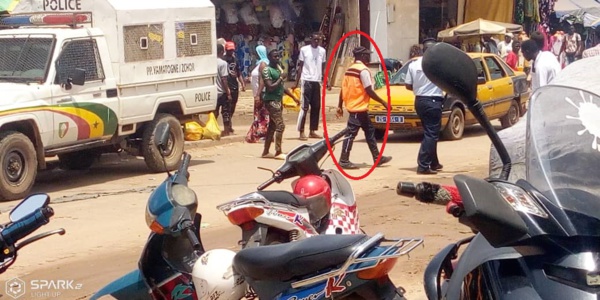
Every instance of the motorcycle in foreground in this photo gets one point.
(538, 238)
(174, 264)
(266, 217)
(29, 215)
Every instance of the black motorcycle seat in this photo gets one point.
(283, 262)
(283, 197)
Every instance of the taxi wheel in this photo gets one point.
(456, 125)
(379, 134)
(512, 116)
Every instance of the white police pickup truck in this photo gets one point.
(79, 78)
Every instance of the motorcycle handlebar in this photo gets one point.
(183, 169)
(267, 183)
(20, 229)
(339, 135)
(193, 238)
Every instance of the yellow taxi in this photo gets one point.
(502, 91)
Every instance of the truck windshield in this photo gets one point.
(24, 59)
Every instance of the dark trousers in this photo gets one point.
(570, 57)
(276, 126)
(223, 104)
(356, 121)
(311, 98)
(235, 95)
(429, 110)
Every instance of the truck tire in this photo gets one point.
(79, 160)
(151, 154)
(512, 116)
(19, 165)
(456, 125)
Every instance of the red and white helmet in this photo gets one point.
(317, 193)
(214, 278)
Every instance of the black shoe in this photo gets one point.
(348, 165)
(384, 160)
(426, 172)
(438, 167)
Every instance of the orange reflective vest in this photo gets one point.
(353, 93)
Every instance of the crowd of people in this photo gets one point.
(521, 52)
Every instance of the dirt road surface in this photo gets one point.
(102, 209)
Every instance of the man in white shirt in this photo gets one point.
(311, 63)
(428, 104)
(505, 47)
(545, 66)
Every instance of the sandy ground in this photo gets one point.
(102, 209)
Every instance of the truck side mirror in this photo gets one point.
(77, 76)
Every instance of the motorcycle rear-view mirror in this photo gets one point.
(28, 206)
(487, 212)
(454, 71)
(163, 131)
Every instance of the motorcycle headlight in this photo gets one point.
(519, 199)
(183, 195)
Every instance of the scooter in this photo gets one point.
(536, 238)
(25, 218)
(174, 264)
(280, 216)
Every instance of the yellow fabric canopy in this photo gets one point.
(496, 10)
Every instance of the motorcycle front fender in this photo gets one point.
(128, 287)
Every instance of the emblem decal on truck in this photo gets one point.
(63, 128)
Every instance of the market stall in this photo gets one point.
(278, 24)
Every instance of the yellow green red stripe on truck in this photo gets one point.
(93, 120)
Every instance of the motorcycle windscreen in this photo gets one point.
(563, 157)
(128, 287)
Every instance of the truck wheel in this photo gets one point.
(79, 160)
(379, 134)
(174, 150)
(512, 116)
(19, 165)
(456, 125)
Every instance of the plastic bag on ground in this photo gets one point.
(211, 130)
(289, 103)
(193, 131)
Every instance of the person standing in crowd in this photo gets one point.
(505, 46)
(512, 59)
(545, 66)
(594, 51)
(428, 104)
(273, 78)
(259, 127)
(235, 75)
(357, 91)
(223, 91)
(311, 63)
(489, 44)
(574, 45)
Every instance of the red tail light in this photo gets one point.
(243, 215)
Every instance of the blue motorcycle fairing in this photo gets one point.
(160, 206)
(130, 287)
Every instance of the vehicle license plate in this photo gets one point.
(593, 279)
(394, 119)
